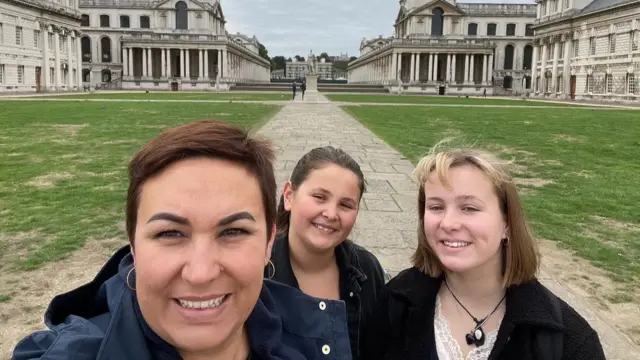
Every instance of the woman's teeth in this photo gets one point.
(208, 304)
(456, 244)
(324, 228)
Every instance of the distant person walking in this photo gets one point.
(293, 88)
(303, 87)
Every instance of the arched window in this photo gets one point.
(528, 57)
(182, 17)
(85, 44)
(105, 49)
(472, 29)
(508, 57)
(437, 21)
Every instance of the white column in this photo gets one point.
(484, 68)
(163, 62)
(150, 62)
(201, 64)
(131, 61)
(543, 68)
(568, 46)
(125, 62)
(447, 73)
(466, 69)
(394, 65)
(56, 44)
(187, 63)
(399, 70)
(69, 62)
(219, 64)
(225, 64)
(78, 61)
(471, 68)
(182, 73)
(453, 67)
(206, 64)
(145, 72)
(534, 68)
(412, 73)
(44, 80)
(430, 67)
(435, 66)
(418, 66)
(490, 69)
(169, 71)
(554, 71)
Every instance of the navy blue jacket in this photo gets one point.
(100, 321)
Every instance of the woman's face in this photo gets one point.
(464, 224)
(324, 208)
(200, 249)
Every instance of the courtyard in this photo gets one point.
(63, 182)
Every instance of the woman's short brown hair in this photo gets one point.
(206, 138)
(520, 253)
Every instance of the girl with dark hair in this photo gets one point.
(316, 213)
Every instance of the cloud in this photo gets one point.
(293, 27)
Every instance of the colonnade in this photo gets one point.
(73, 57)
(540, 82)
(440, 67)
(190, 63)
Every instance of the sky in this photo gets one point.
(294, 27)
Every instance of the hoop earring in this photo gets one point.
(127, 281)
(273, 273)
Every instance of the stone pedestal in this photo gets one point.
(312, 83)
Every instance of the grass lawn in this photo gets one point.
(418, 99)
(64, 168)
(579, 169)
(181, 96)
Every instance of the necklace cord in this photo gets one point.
(478, 322)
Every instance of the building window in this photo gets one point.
(552, 50)
(608, 81)
(1, 35)
(85, 45)
(36, 39)
(508, 57)
(491, 29)
(559, 84)
(50, 40)
(144, 22)
(631, 83)
(590, 84)
(105, 49)
(511, 29)
(52, 75)
(576, 48)
(182, 16)
(20, 74)
(472, 29)
(437, 21)
(635, 39)
(592, 45)
(18, 35)
(528, 30)
(528, 57)
(124, 21)
(104, 21)
(85, 20)
(612, 43)
(561, 55)
(1, 73)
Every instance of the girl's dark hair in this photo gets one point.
(314, 160)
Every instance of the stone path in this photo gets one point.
(387, 221)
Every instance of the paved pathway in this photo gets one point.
(388, 218)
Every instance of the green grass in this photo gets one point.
(591, 157)
(64, 168)
(181, 96)
(448, 100)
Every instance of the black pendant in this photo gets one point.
(476, 337)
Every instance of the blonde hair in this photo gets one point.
(520, 254)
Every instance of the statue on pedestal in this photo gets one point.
(313, 63)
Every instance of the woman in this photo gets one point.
(472, 292)
(200, 218)
(317, 211)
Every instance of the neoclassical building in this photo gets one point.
(587, 49)
(165, 45)
(448, 47)
(39, 46)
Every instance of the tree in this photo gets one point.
(299, 58)
(279, 61)
(324, 56)
(264, 53)
(353, 58)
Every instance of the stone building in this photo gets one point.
(299, 69)
(39, 46)
(448, 47)
(162, 45)
(587, 49)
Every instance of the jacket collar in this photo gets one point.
(346, 257)
(527, 304)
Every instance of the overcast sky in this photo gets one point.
(293, 27)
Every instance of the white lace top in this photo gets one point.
(447, 346)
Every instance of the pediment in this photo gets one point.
(217, 10)
(191, 5)
(401, 14)
(449, 8)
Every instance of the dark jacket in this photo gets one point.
(402, 326)
(361, 278)
(101, 320)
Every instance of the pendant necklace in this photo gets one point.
(475, 336)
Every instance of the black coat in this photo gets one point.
(402, 325)
(361, 279)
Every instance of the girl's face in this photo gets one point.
(324, 207)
